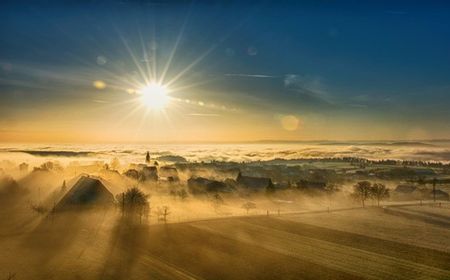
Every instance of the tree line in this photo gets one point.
(365, 190)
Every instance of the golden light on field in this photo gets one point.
(154, 96)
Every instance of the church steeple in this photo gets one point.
(147, 158)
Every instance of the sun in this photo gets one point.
(154, 96)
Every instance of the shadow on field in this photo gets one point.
(53, 235)
(404, 251)
(60, 238)
(182, 251)
(212, 256)
(426, 213)
(429, 218)
(128, 242)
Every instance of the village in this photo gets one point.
(348, 181)
(145, 213)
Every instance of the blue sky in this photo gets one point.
(336, 66)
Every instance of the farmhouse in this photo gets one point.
(405, 189)
(132, 173)
(143, 173)
(149, 173)
(87, 192)
(311, 185)
(200, 185)
(253, 183)
(170, 173)
(440, 195)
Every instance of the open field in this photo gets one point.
(353, 244)
(397, 223)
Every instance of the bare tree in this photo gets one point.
(217, 201)
(248, 205)
(434, 189)
(361, 191)
(162, 213)
(330, 189)
(379, 192)
(38, 208)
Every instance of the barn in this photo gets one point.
(87, 192)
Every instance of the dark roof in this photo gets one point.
(201, 185)
(439, 194)
(405, 188)
(253, 182)
(312, 185)
(167, 171)
(87, 191)
(132, 173)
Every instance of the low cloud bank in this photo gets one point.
(228, 152)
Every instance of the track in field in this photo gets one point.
(322, 249)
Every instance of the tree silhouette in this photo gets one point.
(162, 213)
(217, 201)
(434, 189)
(134, 202)
(248, 205)
(330, 189)
(38, 208)
(379, 192)
(361, 191)
(147, 158)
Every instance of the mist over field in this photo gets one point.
(224, 140)
(328, 210)
(128, 153)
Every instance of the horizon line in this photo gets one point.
(260, 141)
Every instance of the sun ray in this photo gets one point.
(175, 47)
(146, 59)
(133, 57)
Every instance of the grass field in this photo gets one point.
(354, 244)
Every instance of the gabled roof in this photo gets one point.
(253, 182)
(405, 188)
(87, 191)
(312, 185)
(200, 184)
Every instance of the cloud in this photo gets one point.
(307, 87)
(249, 151)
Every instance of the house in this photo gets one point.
(23, 167)
(440, 195)
(282, 185)
(405, 189)
(87, 192)
(148, 173)
(311, 185)
(198, 185)
(408, 192)
(132, 173)
(144, 173)
(254, 183)
(169, 172)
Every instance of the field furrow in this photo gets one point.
(340, 257)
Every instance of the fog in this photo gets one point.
(66, 153)
(185, 234)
